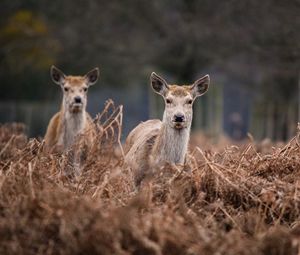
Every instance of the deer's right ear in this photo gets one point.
(158, 84)
(57, 75)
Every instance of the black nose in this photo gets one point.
(77, 100)
(179, 118)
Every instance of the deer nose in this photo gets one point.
(77, 100)
(179, 118)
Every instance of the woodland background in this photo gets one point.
(251, 49)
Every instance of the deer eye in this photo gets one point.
(66, 89)
(168, 101)
(85, 89)
(190, 101)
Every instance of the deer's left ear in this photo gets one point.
(92, 76)
(200, 87)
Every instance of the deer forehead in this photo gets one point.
(179, 91)
(75, 81)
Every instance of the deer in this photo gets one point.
(72, 119)
(154, 143)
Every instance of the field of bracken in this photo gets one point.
(236, 199)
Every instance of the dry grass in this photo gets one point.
(234, 201)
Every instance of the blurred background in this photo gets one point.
(251, 49)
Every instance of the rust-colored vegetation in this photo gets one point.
(235, 200)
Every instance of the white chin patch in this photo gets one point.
(178, 126)
(76, 107)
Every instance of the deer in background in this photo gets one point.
(72, 119)
(154, 142)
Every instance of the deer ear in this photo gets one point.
(92, 76)
(200, 87)
(158, 84)
(57, 75)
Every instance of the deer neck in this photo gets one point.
(171, 144)
(72, 125)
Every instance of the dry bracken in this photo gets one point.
(234, 201)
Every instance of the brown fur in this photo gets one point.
(76, 81)
(56, 127)
(179, 91)
(154, 143)
(72, 119)
(138, 147)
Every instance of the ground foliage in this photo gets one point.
(234, 200)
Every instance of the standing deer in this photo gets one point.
(154, 142)
(72, 119)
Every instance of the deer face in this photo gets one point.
(74, 88)
(179, 100)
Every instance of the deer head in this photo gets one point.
(179, 100)
(74, 88)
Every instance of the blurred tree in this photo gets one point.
(32, 32)
(26, 48)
